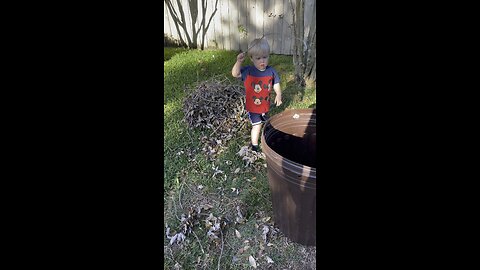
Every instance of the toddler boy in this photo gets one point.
(258, 80)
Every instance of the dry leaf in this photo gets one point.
(207, 206)
(237, 170)
(269, 260)
(167, 233)
(239, 212)
(264, 233)
(237, 233)
(179, 237)
(242, 151)
(252, 262)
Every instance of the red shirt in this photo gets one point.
(258, 85)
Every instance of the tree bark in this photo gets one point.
(304, 52)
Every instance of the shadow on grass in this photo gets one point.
(169, 52)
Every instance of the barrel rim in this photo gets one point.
(278, 159)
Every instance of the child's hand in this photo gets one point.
(241, 57)
(278, 100)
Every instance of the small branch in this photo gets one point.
(180, 196)
(221, 251)
(219, 126)
(198, 241)
(175, 206)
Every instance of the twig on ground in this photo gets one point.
(198, 241)
(221, 251)
(180, 195)
(218, 203)
(226, 242)
(172, 257)
(188, 133)
(219, 126)
(175, 206)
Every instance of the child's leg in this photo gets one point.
(256, 133)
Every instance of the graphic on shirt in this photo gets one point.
(258, 100)
(257, 94)
(268, 85)
(257, 86)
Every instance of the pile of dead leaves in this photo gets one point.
(217, 108)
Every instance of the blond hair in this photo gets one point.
(259, 46)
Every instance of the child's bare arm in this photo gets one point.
(278, 92)
(236, 68)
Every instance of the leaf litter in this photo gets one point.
(254, 249)
(216, 107)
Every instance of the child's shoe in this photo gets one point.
(254, 147)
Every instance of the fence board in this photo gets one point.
(234, 34)
(251, 21)
(210, 35)
(270, 17)
(198, 23)
(268, 22)
(259, 18)
(277, 28)
(242, 20)
(287, 28)
(224, 24)
(218, 30)
(166, 22)
(173, 30)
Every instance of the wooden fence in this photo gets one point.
(237, 22)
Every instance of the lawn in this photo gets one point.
(200, 192)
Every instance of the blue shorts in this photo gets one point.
(257, 118)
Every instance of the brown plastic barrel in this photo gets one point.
(289, 143)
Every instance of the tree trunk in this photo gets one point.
(304, 49)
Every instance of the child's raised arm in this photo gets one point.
(236, 68)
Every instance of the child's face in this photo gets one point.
(260, 61)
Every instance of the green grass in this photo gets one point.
(182, 70)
